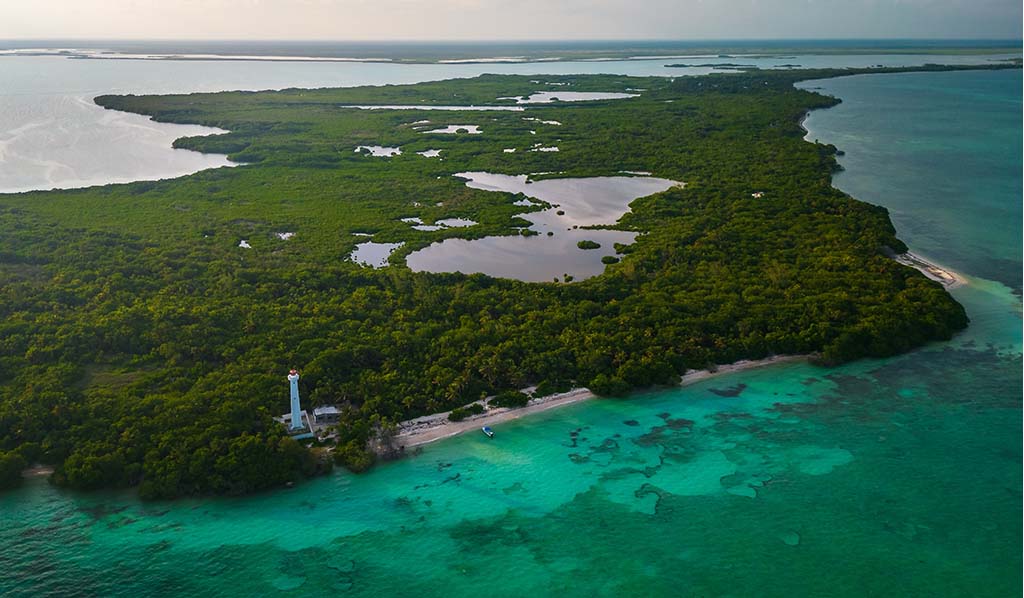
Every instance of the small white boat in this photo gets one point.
(487, 430)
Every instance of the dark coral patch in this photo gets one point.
(653, 438)
(680, 423)
(732, 391)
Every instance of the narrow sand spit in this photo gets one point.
(37, 471)
(940, 274)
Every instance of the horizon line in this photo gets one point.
(522, 40)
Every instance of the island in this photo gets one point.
(147, 327)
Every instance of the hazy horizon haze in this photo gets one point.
(508, 21)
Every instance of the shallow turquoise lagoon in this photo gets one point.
(897, 477)
(788, 480)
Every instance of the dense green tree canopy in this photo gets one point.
(139, 345)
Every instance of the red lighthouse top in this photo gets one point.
(294, 372)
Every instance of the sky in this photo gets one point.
(360, 20)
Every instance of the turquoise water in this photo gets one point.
(897, 477)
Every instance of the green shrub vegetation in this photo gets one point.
(604, 385)
(588, 244)
(550, 387)
(460, 413)
(139, 345)
(11, 466)
(510, 398)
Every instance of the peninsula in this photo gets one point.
(147, 326)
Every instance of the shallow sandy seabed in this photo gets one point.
(427, 429)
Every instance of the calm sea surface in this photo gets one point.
(942, 151)
(52, 135)
(897, 477)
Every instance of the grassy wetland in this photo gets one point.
(143, 346)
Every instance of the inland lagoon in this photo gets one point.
(552, 251)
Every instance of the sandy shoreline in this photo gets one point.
(939, 274)
(430, 428)
(942, 275)
(37, 471)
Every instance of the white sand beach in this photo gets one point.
(429, 428)
(946, 277)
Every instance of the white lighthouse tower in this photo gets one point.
(297, 423)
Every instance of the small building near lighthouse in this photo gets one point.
(326, 415)
(296, 420)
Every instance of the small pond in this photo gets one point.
(546, 97)
(470, 129)
(378, 150)
(373, 254)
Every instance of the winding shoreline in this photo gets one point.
(431, 428)
(940, 274)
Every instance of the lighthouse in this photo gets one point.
(293, 379)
